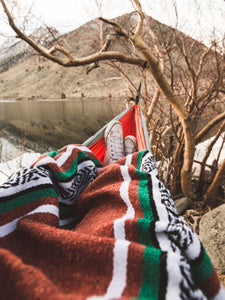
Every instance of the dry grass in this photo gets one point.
(222, 279)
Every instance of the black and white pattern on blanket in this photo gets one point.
(73, 180)
(25, 175)
(25, 179)
(179, 232)
(148, 163)
(69, 191)
(174, 236)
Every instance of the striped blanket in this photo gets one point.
(72, 229)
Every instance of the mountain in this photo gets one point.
(26, 75)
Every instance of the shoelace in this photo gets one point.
(117, 150)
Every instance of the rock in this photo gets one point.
(182, 204)
(212, 236)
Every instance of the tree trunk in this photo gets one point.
(177, 166)
(201, 182)
(189, 149)
(214, 185)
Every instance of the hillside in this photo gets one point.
(24, 74)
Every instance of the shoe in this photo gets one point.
(113, 138)
(130, 145)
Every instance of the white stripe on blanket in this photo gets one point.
(194, 249)
(121, 246)
(119, 279)
(119, 224)
(174, 276)
(162, 237)
(118, 282)
(44, 161)
(128, 160)
(62, 158)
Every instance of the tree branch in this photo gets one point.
(140, 19)
(215, 184)
(119, 29)
(56, 48)
(154, 68)
(201, 181)
(208, 127)
(191, 73)
(70, 61)
(207, 51)
(96, 57)
(40, 49)
(104, 48)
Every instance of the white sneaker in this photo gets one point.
(113, 137)
(130, 145)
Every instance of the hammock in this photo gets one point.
(133, 123)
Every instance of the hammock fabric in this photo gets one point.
(133, 123)
(70, 229)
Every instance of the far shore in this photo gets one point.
(11, 99)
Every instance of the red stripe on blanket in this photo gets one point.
(134, 160)
(14, 241)
(77, 264)
(67, 164)
(101, 203)
(131, 225)
(25, 282)
(73, 155)
(211, 286)
(134, 271)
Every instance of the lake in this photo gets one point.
(51, 124)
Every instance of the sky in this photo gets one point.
(198, 18)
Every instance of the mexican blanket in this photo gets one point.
(72, 229)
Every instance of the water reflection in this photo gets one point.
(56, 123)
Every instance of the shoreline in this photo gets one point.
(20, 99)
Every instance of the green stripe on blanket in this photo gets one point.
(203, 271)
(151, 271)
(52, 153)
(151, 274)
(140, 156)
(27, 198)
(143, 224)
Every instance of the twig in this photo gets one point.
(4, 173)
